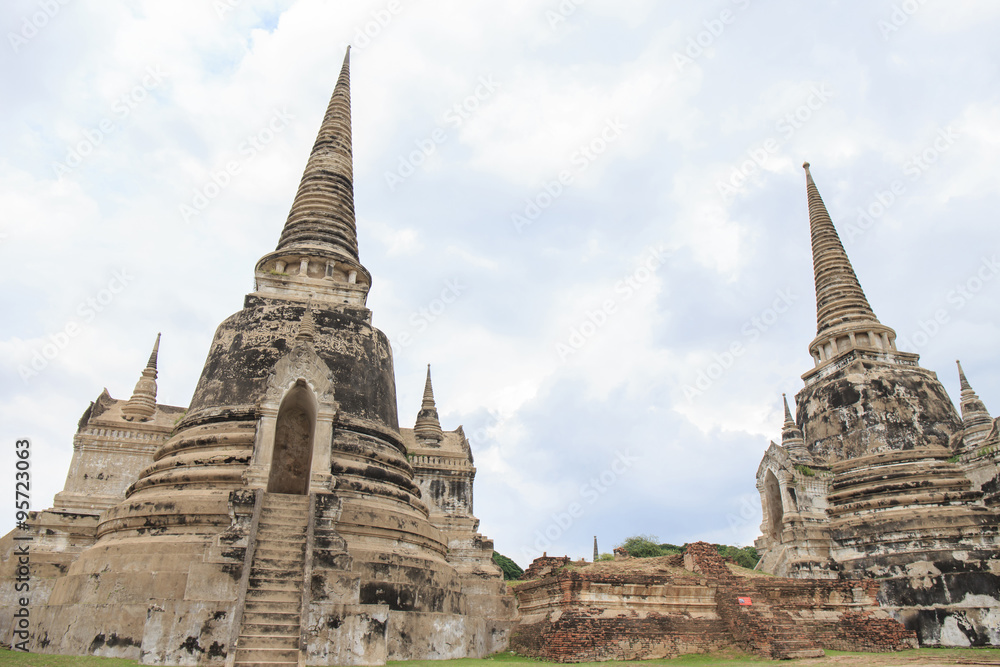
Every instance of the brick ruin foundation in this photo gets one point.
(690, 604)
(544, 565)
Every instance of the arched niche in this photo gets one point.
(300, 391)
(775, 511)
(294, 432)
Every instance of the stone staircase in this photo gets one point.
(763, 629)
(270, 628)
(788, 641)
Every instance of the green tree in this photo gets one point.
(671, 549)
(744, 556)
(511, 570)
(642, 546)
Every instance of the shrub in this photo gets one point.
(642, 546)
(511, 570)
(671, 549)
(744, 556)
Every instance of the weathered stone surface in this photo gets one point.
(544, 565)
(886, 480)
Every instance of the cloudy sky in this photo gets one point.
(575, 210)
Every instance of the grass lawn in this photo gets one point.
(19, 659)
(924, 656)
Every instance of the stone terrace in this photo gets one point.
(652, 608)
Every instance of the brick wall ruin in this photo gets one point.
(544, 565)
(576, 615)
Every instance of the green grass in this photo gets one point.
(21, 659)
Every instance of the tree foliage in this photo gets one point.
(511, 570)
(642, 546)
(647, 546)
(744, 556)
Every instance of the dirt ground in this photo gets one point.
(917, 658)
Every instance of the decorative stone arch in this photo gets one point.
(296, 421)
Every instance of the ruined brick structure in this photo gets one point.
(878, 475)
(284, 517)
(543, 566)
(691, 604)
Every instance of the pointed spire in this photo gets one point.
(975, 417)
(307, 325)
(142, 405)
(152, 355)
(963, 381)
(789, 422)
(844, 319)
(791, 436)
(839, 297)
(322, 215)
(428, 427)
(596, 555)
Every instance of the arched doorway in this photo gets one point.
(775, 512)
(291, 460)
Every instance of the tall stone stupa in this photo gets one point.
(282, 522)
(877, 475)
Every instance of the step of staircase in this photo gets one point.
(263, 580)
(270, 641)
(278, 512)
(269, 595)
(267, 655)
(797, 654)
(286, 546)
(279, 553)
(278, 509)
(261, 605)
(281, 563)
